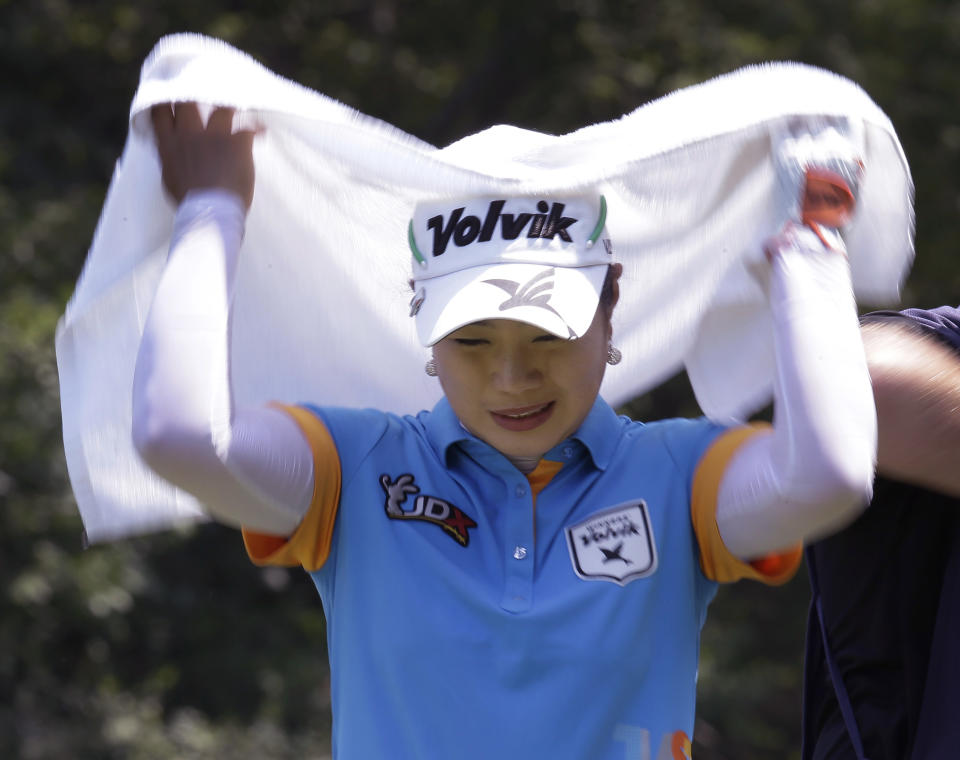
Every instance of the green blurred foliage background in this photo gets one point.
(173, 645)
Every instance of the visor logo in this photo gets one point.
(464, 230)
(534, 292)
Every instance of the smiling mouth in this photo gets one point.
(523, 418)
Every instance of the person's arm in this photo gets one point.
(248, 466)
(916, 385)
(814, 471)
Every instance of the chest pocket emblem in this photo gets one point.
(614, 544)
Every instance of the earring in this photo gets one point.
(430, 367)
(613, 354)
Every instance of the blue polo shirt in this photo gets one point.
(475, 612)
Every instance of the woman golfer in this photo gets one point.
(517, 572)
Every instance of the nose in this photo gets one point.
(516, 371)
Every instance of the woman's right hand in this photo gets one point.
(195, 157)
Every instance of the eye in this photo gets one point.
(470, 341)
(545, 338)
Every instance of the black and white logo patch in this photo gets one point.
(614, 544)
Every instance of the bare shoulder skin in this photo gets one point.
(916, 386)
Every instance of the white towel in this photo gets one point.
(321, 309)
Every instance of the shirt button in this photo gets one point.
(521, 491)
(519, 552)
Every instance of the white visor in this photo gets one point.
(538, 260)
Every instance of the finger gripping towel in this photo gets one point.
(321, 309)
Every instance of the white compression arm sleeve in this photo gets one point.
(247, 466)
(814, 472)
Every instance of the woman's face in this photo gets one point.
(519, 388)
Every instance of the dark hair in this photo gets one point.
(607, 291)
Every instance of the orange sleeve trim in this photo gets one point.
(309, 545)
(716, 561)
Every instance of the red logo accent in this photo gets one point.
(458, 524)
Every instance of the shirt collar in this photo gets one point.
(443, 429)
(599, 433)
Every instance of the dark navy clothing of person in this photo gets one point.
(890, 593)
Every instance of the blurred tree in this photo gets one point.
(174, 645)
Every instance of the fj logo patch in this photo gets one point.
(615, 544)
(452, 519)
